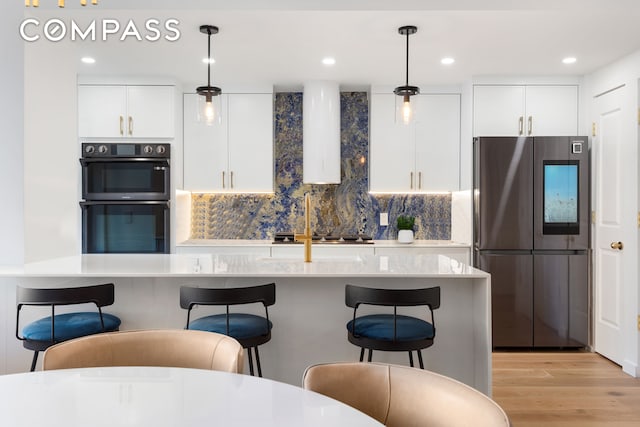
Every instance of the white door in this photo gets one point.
(614, 235)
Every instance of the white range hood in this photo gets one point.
(321, 133)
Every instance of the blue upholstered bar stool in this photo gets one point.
(43, 333)
(249, 329)
(392, 331)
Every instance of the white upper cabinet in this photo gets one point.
(423, 156)
(106, 111)
(540, 110)
(235, 156)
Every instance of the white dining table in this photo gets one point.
(158, 396)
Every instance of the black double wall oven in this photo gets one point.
(126, 191)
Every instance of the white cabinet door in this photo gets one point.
(438, 142)
(423, 156)
(233, 156)
(150, 111)
(391, 148)
(125, 111)
(498, 110)
(552, 110)
(205, 149)
(102, 111)
(251, 167)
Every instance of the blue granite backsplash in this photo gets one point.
(345, 208)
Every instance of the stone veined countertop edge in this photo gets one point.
(158, 266)
(376, 243)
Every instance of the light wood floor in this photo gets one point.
(564, 389)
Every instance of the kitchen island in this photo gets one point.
(309, 316)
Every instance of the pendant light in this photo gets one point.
(407, 111)
(209, 99)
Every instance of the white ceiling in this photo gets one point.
(282, 42)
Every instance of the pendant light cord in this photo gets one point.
(407, 62)
(209, 57)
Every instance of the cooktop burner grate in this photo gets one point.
(326, 238)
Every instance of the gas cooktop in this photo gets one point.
(347, 239)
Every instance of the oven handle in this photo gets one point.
(124, 202)
(85, 162)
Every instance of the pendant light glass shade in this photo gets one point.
(209, 105)
(209, 109)
(405, 110)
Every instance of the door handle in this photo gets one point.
(130, 125)
(121, 125)
(530, 125)
(231, 179)
(617, 245)
(520, 125)
(223, 186)
(419, 180)
(411, 180)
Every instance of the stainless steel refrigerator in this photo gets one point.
(531, 232)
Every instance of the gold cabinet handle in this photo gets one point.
(130, 125)
(223, 179)
(231, 179)
(121, 125)
(411, 180)
(617, 245)
(530, 125)
(419, 180)
(520, 125)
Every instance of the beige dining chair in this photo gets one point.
(401, 396)
(169, 347)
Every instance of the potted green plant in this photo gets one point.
(405, 228)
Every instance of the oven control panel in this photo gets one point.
(142, 150)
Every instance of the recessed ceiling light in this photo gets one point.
(329, 61)
(88, 60)
(447, 61)
(207, 61)
(569, 60)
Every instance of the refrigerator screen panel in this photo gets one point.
(560, 197)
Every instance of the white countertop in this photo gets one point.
(377, 243)
(204, 265)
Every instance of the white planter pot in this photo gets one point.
(405, 236)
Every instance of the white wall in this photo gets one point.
(11, 169)
(11, 123)
(51, 171)
(625, 71)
